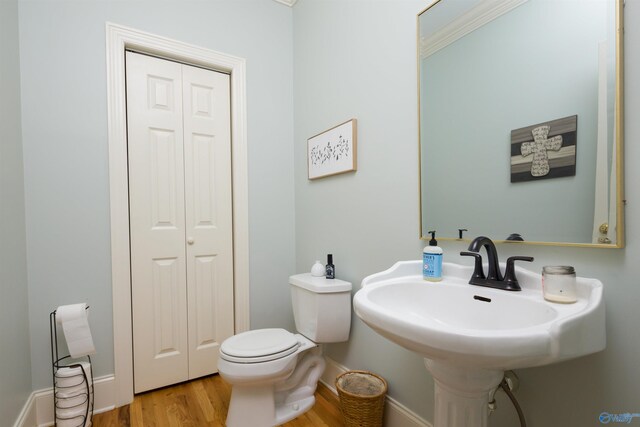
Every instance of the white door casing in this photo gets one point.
(118, 39)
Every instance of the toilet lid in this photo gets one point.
(260, 345)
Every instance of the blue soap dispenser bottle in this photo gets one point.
(432, 260)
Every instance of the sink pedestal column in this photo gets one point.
(461, 394)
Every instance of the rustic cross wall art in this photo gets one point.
(545, 150)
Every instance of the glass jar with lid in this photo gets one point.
(559, 283)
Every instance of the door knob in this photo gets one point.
(190, 240)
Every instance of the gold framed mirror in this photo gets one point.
(521, 121)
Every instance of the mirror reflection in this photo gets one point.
(520, 118)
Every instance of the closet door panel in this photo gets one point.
(157, 221)
(207, 153)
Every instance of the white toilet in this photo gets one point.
(273, 372)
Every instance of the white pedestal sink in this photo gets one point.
(469, 335)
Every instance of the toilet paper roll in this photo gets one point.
(66, 418)
(75, 325)
(70, 381)
(72, 416)
(72, 402)
(74, 370)
(73, 423)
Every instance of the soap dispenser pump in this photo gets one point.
(432, 260)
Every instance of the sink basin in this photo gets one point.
(476, 326)
(469, 335)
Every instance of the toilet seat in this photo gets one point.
(260, 345)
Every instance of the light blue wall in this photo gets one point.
(64, 105)
(358, 59)
(478, 89)
(15, 366)
(352, 59)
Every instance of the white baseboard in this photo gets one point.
(395, 414)
(41, 414)
(38, 410)
(27, 417)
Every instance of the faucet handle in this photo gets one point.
(510, 280)
(478, 272)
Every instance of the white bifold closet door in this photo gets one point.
(179, 146)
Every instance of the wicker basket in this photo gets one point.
(362, 396)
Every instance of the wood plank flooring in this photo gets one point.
(204, 402)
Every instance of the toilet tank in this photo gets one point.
(321, 307)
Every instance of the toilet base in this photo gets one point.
(260, 399)
(289, 411)
(274, 403)
(264, 412)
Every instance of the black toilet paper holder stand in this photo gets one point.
(60, 401)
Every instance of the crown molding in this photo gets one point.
(482, 14)
(289, 3)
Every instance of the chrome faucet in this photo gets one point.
(494, 278)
